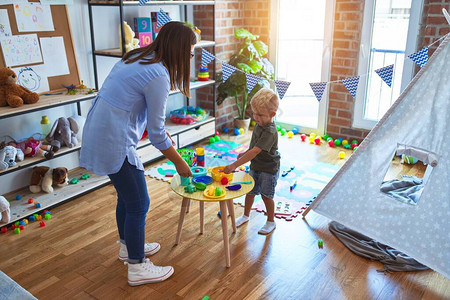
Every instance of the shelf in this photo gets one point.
(43, 103)
(29, 161)
(195, 85)
(133, 3)
(21, 209)
(116, 52)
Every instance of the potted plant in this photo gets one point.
(249, 59)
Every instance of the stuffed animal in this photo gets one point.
(32, 147)
(44, 178)
(13, 94)
(5, 213)
(63, 133)
(8, 156)
(130, 41)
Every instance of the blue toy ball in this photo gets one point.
(225, 130)
(294, 130)
(236, 131)
(18, 197)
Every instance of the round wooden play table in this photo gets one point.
(226, 205)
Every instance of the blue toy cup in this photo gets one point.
(185, 181)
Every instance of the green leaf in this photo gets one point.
(261, 48)
(244, 67)
(255, 65)
(242, 33)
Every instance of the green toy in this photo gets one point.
(217, 138)
(320, 243)
(190, 189)
(188, 155)
(218, 191)
(84, 176)
(200, 186)
(73, 181)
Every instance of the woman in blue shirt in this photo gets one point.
(133, 97)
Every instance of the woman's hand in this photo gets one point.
(240, 155)
(183, 169)
(170, 137)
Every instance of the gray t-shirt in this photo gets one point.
(266, 138)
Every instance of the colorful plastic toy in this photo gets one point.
(234, 187)
(224, 180)
(226, 130)
(188, 156)
(203, 73)
(22, 223)
(347, 146)
(344, 142)
(214, 192)
(217, 174)
(18, 197)
(317, 140)
(313, 135)
(73, 181)
(337, 142)
(22, 227)
(354, 142)
(30, 200)
(295, 130)
(341, 154)
(200, 156)
(278, 127)
(32, 218)
(84, 176)
(190, 189)
(236, 131)
(285, 173)
(42, 224)
(200, 186)
(188, 115)
(37, 205)
(203, 179)
(290, 134)
(241, 130)
(253, 123)
(320, 243)
(17, 230)
(354, 145)
(47, 216)
(4, 229)
(311, 139)
(303, 137)
(212, 140)
(283, 131)
(331, 143)
(216, 138)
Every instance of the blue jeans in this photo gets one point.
(133, 203)
(265, 183)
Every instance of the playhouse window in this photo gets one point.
(408, 173)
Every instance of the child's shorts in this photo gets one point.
(265, 183)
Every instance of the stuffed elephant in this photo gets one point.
(63, 133)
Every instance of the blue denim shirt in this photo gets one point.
(132, 96)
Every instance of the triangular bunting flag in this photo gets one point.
(162, 18)
(206, 57)
(420, 57)
(282, 87)
(386, 74)
(318, 88)
(142, 2)
(252, 80)
(351, 84)
(227, 70)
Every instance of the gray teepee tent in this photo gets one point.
(419, 121)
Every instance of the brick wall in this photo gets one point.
(433, 24)
(252, 15)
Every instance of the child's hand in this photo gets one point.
(240, 155)
(228, 169)
(183, 169)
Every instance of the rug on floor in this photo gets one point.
(311, 178)
(9, 289)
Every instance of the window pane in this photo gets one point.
(389, 34)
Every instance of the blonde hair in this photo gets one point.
(265, 99)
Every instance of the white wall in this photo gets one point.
(107, 36)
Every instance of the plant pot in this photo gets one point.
(239, 123)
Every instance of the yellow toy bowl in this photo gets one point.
(217, 174)
(207, 195)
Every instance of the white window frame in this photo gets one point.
(326, 66)
(363, 64)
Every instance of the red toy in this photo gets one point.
(21, 227)
(303, 137)
(30, 200)
(4, 229)
(354, 145)
(224, 180)
(42, 224)
(317, 140)
(331, 143)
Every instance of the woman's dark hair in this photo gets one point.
(172, 47)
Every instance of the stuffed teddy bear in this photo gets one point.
(5, 213)
(44, 178)
(13, 94)
(130, 41)
(8, 156)
(63, 133)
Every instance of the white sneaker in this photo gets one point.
(147, 272)
(149, 249)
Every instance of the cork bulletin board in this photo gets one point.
(61, 29)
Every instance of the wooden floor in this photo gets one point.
(75, 255)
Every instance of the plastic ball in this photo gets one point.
(290, 134)
(317, 140)
(4, 229)
(16, 230)
(216, 138)
(325, 137)
(224, 180)
(226, 130)
(236, 131)
(329, 139)
(22, 223)
(341, 154)
(344, 142)
(47, 216)
(283, 131)
(278, 127)
(241, 130)
(354, 142)
(313, 135)
(337, 142)
(295, 130)
(18, 197)
(13, 226)
(331, 143)
(17, 224)
(212, 140)
(217, 132)
(26, 221)
(354, 145)
(32, 218)
(311, 140)
(303, 137)
(354, 149)
(253, 123)
(22, 227)
(341, 139)
(42, 224)
(30, 200)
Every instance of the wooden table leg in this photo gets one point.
(188, 206)
(231, 211)
(226, 242)
(202, 213)
(184, 207)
